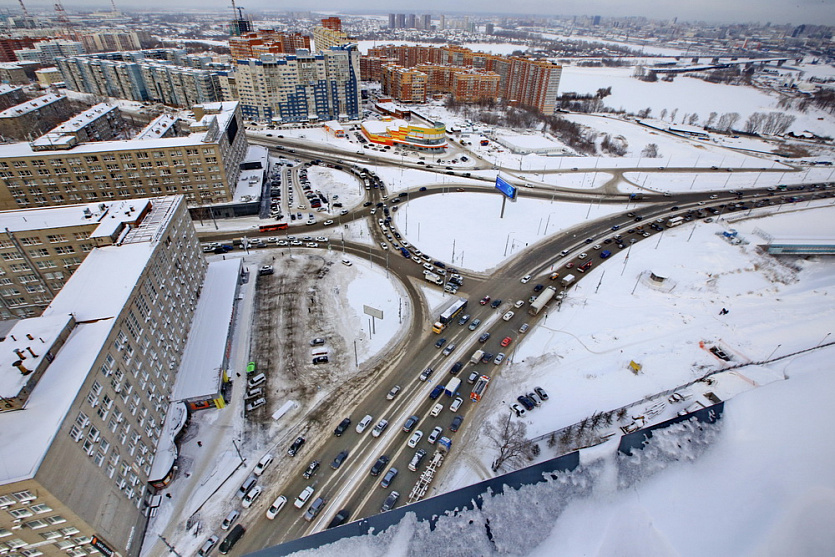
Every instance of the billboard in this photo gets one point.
(505, 188)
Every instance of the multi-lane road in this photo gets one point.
(351, 486)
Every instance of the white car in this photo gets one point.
(519, 303)
(379, 428)
(435, 434)
(437, 409)
(582, 255)
(262, 465)
(251, 496)
(277, 505)
(303, 497)
(415, 439)
(456, 404)
(384, 245)
(525, 279)
(327, 223)
(508, 316)
(364, 423)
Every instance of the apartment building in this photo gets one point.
(101, 122)
(10, 95)
(524, 81)
(93, 375)
(300, 87)
(8, 45)
(404, 84)
(266, 41)
(109, 41)
(30, 119)
(203, 166)
(330, 34)
(46, 52)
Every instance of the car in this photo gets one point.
(390, 502)
(315, 508)
(389, 477)
(231, 539)
(538, 288)
(484, 300)
(317, 342)
(297, 444)
(456, 423)
(384, 245)
(416, 460)
(343, 425)
(716, 196)
(320, 360)
(433, 436)
(448, 350)
(379, 465)
(495, 303)
(499, 358)
(475, 323)
(341, 517)
(364, 423)
(487, 357)
(456, 404)
(519, 303)
(518, 410)
(534, 398)
(230, 519)
(582, 255)
(251, 496)
(276, 507)
(597, 246)
(472, 377)
(464, 318)
(484, 337)
(508, 316)
(329, 222)
(311, 469)
(262, 465)
(379, 428)
(436, 392)
(541, 392)
(207, 546)
(570, 265)
(436, 410)
(524, 328)
(526, 402)
(340, 458)
(506, 341)
(393, 392)
(456, 368)
(525, 279)
(426, 374)
(415, 439)
(303, 497)
(440, 342)
(411, 422)
(367, 204)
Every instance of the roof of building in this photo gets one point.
(80, 120)
(26, 435)
(381, 127)
(6, 88)
(158, 127)
(43, 333)
(199, 375)
(23, 220)
(24, 108)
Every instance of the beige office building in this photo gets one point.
(85, 386)
(202, 166)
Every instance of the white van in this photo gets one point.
(256, 380)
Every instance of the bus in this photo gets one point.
(273, 227)
(449, 314)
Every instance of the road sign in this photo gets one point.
(373, 312)
(506, 189)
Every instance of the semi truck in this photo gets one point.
(479, 388)
(432, 277)
(452, 386)
(450, 313)
(542, 300)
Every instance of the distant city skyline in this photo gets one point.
(819, 12)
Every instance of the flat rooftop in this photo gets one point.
(23, 220)
(30, 106)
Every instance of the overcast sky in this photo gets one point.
(740, 11)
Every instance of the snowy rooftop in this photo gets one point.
(6, 88)
(251, 180)
(84, 119)
(527, 142)
(23, 220)
(32, 338)
(200, 371)
(158, 127)
(378, 127)
(29, 106)
(26, 434)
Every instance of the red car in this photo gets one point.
(584, 267)
(484, 300)
(506, 341)
(570, 265)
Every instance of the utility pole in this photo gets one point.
(169, 546)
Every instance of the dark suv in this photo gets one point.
(379, 465)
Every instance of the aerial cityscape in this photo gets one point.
(451, 282)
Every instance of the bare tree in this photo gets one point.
(663, 113)
(694, 119)
(727, 121)
(673, 116)
(510, 438)
(621, 413)
(710, 119)
(651, 151)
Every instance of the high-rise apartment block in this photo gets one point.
(8, 46)
(46, 52)
(404, 84)
(86, 386)
(203, 166)
(108, 41)
(330, 34)
(30, 119)
(522, 81)
(266, 41)
(301, 87)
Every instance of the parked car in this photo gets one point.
(231, 539)
(311, 469)
(297, 444)
(541, 392)
(251, 496)
(230, 519)
(207, 546)
(390, 501)
(276, 507)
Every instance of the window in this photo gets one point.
(35, 524)
(55, 238)
(24, 496)
(57, 519)
(40, 508)
(20, 513)
(69, 531)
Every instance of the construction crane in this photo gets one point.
(23, 7)
(63, 20)
(113, 3)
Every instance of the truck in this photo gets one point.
(432, 277)
(476, 357)
(567, 280)
(449, 314)
(675, 221)
(452, 386)
(479, 388)
(542, 300)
